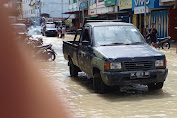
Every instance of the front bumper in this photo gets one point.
(123, 78)
(51, 32)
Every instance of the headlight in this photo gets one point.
(113, 66)
(160, 63)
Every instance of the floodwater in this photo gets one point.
(84, 103)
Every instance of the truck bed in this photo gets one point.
(70, 50)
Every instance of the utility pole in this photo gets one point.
(145, 18)
(62, 9)
(79, 13)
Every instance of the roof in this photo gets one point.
(93, 24)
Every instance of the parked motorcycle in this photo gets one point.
(44, 53)
(34, 41)
(164, 42)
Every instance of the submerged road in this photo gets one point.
(84, 103)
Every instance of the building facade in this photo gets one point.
(51, 8)
(161, 12)
(14, 7)
(102, 9)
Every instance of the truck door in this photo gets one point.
(85, 51)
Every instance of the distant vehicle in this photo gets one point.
(115, 54)
(49, 29)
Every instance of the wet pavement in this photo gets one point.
(84, 103)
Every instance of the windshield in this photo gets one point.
(115, 35)
(50, 25)
(20, 28)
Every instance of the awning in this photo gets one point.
(72, 12)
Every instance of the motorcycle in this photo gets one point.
(161, 42)
(164, 42)
(34, 41)
(44, 53)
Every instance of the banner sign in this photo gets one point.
(125, 4)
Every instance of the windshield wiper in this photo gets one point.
(134, 43)
(112, 44)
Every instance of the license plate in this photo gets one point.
(139, 74)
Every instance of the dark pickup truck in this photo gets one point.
(115, 54)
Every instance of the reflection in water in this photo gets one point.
(81, 99)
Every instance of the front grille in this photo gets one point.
(138, 65)
(52, 30)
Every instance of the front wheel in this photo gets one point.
(50, 56)
(98, 84)
(155, 86)
(166, 45)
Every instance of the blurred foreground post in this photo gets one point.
(24, 92)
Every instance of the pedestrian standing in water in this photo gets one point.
(63, 31)
(153, 35)
(58, 31)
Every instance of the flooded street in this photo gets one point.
(84, 103)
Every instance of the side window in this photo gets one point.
(86, 36)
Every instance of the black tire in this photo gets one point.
(155, 86)
(98, 84)
(73, 69)
(53, 56)
(50, 56)
(166, 45)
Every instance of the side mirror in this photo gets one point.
(85, 43)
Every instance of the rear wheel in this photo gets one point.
(98, 84)
(49, 56)
(166, 45)
(73, 69)
(155, 86)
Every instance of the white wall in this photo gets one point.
(28, 11)
(54, 8)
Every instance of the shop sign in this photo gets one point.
(84, 5)
(167, 0)
(91, 2)
(73, 7)
(105, 10)
(92, 12)
(140, 10)
(125, 4)
(139, 3)
(110, 2)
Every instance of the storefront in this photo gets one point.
(172, 23)
(125, 10)
(103, 10)
(172, 17)
(160, 18)
(155, 14)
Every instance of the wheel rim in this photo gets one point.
(166, 46)
(51, 56)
